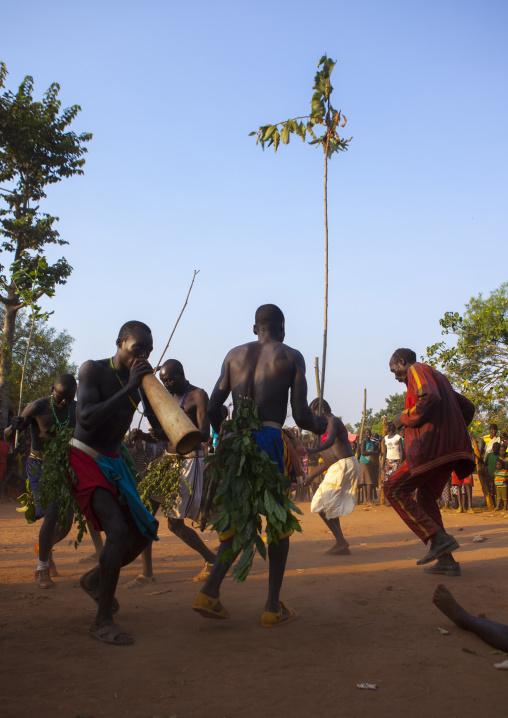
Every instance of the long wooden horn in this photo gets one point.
(176, 424)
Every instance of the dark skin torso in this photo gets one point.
(337, 442)
(105, 409)
(265, 371)
(39, 416)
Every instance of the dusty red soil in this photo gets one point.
(364, 617)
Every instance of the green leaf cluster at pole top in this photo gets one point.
(249, 485)
(322, 114)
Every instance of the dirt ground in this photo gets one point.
(365, 617)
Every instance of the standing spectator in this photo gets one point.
(463, 491)
(446, 496)
(394, 449)
(489, 441)
(490, 465)
(500, 480)
(503, 452)
(368, 465)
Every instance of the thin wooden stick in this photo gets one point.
(196, 272)
(359, 447)
(316, 371)
(382, 463)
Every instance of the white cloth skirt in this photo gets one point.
(336, 495)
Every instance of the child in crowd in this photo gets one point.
(500, 482)
(490, 461)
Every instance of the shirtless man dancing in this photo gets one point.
(194, 401)
(336, 495)
(108, 397)
(266, 371)
(43, 416)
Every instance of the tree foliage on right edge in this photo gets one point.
(477, 363)
(49, 356)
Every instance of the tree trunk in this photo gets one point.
(6, 362)
(325, 332)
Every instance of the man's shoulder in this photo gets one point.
(425, 371)
(196, 391)
(38, 406)
(95, 366)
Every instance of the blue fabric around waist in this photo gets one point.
(270, 440)
(117, 472)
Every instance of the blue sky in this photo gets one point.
(173, 183)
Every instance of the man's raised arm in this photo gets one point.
(20, 423)
(91, 411)
(219, 395)
(202, 420)
(299, 406)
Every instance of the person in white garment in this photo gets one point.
(336, 495)
(393, 454)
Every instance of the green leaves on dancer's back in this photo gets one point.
(249, 485)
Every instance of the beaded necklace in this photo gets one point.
(60, 424)
(122, 384)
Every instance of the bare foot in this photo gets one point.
(94, 558)
(340, 549)
(444, 600)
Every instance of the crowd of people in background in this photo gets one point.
(381, 457)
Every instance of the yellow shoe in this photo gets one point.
(270, 619)
(204, 573)
(209, 607)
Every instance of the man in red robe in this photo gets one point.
(437, 442)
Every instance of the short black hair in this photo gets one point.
(314, 404)
(493, 426)
(65, 380)
(269, 314)
(500, 461)
(174, 363)
(406, 355)
(127, 329)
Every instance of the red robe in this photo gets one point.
(436, 419)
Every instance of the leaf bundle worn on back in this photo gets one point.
(248, 485)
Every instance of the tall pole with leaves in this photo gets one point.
(324, 114)
(36, 150)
